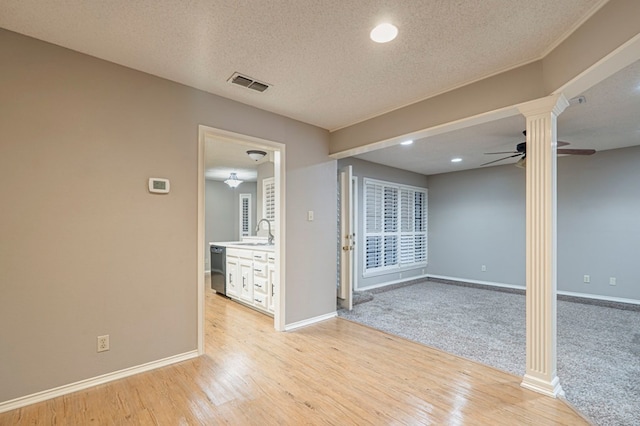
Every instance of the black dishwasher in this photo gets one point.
(218, 269)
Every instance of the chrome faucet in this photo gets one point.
(270, 240)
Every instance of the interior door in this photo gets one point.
(347, 239)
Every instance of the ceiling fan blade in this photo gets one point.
(504, 158)
(561, 143)
(502, 152)
(576, 151)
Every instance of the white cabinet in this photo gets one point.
(232, 276)
(251, 278)
(245, 268)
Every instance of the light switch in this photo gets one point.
(310, 215)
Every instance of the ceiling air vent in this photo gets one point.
(248, 82)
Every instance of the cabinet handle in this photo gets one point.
(244, 282)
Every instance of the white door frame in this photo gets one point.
(279, 175)
(347, 242)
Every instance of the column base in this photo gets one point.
(550, 388)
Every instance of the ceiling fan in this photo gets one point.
(521, 151)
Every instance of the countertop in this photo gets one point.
(245, 245)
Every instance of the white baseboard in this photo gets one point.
(598, 297)
(467, 280)
(387, 283)
(310, 321)
(561, 292)
(94, 381)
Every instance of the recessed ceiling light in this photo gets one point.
(384, 33)
(406, 142)
(456, 160)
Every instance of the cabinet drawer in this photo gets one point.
(260, 256)
(260, 284)
(260, 269)
(260, 300)
(242, 253)
(233, 252)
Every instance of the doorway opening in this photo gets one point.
(276, 153)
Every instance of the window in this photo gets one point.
(395, 226)
(269, 200)
(245, 215)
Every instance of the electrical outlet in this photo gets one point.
(612, 281)
(103, 343)
(586, 279)
(483, 268)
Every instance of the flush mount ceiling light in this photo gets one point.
(409, 142)
(233, 181)
(256, 155)
(456, 160)
(384, 33)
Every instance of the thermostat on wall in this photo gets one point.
(159, 185)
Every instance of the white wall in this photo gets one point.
(365, 169)
(80, 137)
(478, 217)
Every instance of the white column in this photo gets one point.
(541, 375)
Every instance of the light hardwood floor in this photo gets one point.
(335, 372)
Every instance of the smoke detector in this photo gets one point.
(248, 82)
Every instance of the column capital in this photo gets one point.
(551, 104)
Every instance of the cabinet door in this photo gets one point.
(271, 287)
(246, 280)
(232, 277)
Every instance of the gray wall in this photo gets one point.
(478, 217)
(222, 212)
(86, 250)
(599, 223)
(365, 169)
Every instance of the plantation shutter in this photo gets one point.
(245, 215)
(373, 225)
(269, 200)
(395, 226)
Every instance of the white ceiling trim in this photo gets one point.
(615, 61)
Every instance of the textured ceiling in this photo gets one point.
(316, 54)
(608, 120)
